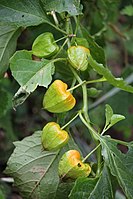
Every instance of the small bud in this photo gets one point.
(78, 57)
(93, 92)
(71, 166)
(53, 138)
(44, 45)
(57, 99)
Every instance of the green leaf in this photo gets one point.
(116, 118)
(111, 118)
(120, 164)
(44, 45)
(8, 39)
(22, 12)
(90, 188)
(83, 188)
(81, 42)
(34, 170)
(30, 74)
(117, 82)
(63, 190)
(96, 51)
(73, 7)
(108, 114)
(128, 10)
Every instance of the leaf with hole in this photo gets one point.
(34, 170)
(22, 13)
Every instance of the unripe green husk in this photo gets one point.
(57, 99)
(44, 45)
(78, 57)
(53, 137)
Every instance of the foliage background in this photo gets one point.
(110, 23)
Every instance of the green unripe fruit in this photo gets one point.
(53, 137)
(71, 166)
(78, 57)
(57, 99)
(44, 45)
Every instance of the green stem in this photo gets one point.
(85, 103)
(93, 132)
(84, 89)
(61, 47)
(99, 159)
(57, 28)
(96, 80)
(67, 36)
(61, 39)
(89, 154)
(77, 24)
(73, 83)
(71, 89)
(58, 59)
(63, 127)
(104, 130)
(95, 137)
(68, 29)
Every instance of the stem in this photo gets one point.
(58, 59)
(84, 89)
(91, 129)
(67, 36)
(61, 47)
(89, 154)
(99, 159)
(104, 130)
(77, 24)
(68, 29)
(85, 103)
(55, 18)
(95, 136)
(96, 80)
(86, 121)
(71, 89)
(61, 39)
(57, 28)
(73, 83)
(63, 127)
